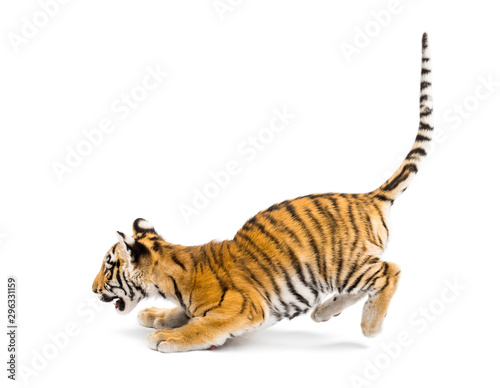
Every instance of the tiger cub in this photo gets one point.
(282, 263)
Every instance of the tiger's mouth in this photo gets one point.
(118, 302)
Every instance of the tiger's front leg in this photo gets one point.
(212, 329)
(162, 318)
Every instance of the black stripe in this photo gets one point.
(383, 287)
(424, 84)
(367, 221)
(282, 226)
(425, 71)
(425, 127)
(417, 151)
(355, 227)
(381, 218)
(424, 41)
(317, 284)
(267, 271)
(156, 246)
(332, 223)
(383, 198)
(249, 223)
(223, 282)
(292, 289)
(244, 304)
(118, 277)
(368, 281)
(176, 261)
(258, 250)
(356, 239)
(340, 254)
(274, 207)
(178, 294)
(290, 208)
(218, 305)
(422, 138)
(312, 242)
(400, 178)
(222, 266)
(372, 283)
(194, 260)
(112, 288)
(356, 282)
(143, 293)
(426, 111)
(129, 287)
(206, 311)
(190, 300)
(320, 263)
(353, 269)
(261, 287)
(295, 260)
(296, 314)
(326, 214)
(386, 267)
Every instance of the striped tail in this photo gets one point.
(400, 180)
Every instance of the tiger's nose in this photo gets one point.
(96, 289)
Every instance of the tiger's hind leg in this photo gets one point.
(380, 290)
(334, 306)
(162, 318)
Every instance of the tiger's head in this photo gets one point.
(122, 278)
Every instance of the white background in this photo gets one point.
(355, 121)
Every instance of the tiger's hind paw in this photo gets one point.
(334, 306)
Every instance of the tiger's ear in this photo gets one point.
(132, 248)
(142, 226)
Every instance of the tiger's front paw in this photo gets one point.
(158, 337)
(168, 341)
(157, 318)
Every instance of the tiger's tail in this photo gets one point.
(400, 180)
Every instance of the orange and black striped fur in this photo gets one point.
(283, 262)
